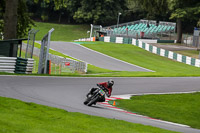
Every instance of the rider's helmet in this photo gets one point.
(110, 83)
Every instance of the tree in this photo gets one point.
(24, 23)
(51, 10)
(10, 19)
(99, 11)
(17, 20)
(154, 9)
(180, 10)
(183, 10)
(134, 11)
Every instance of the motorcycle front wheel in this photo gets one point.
(93, 101)
(86, 101)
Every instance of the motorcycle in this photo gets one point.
(98, 94)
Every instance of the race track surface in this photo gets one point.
(69, 94)
(92, 57)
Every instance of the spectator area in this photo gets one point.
(141, 29)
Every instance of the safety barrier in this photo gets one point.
(7, 64)
(16, 65)
(86, 39)
(162, 52)
(24, 66)
(165, 53)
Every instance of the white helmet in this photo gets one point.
(110, 83)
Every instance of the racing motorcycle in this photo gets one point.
(97, 95)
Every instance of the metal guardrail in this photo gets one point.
(7, 64)
(16, 65)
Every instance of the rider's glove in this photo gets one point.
(98, 85)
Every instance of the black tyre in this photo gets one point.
(93, 101)
(86, 101)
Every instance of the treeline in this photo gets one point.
(102, 12)
(105, 12)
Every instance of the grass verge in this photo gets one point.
(178, 108)
(191, 53)
(62, 32)
(162, 66)
(22, 117)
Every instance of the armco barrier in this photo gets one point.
(7, 64)
(16, 65)
(162, 52)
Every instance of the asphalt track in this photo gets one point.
(69, 94)
(93, 57)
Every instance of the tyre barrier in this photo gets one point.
(24, 66)
(16, 65)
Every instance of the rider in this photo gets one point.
(108, 87)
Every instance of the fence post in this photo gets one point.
(44, 53)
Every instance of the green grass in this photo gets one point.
(22, 117)
(97, 70)
(179, 108)
(62, 32)
(190, 53)
(135, 55)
